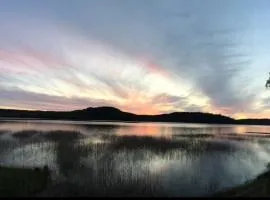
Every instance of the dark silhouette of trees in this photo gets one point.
(114, 114)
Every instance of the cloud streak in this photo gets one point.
(144, 57)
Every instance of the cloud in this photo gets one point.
(18, 98)
(198, 48)
(153, 56)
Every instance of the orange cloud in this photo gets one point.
(154, 67)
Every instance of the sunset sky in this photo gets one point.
(142, 56)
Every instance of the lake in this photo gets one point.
(136, 159)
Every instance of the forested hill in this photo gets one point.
(114, 114)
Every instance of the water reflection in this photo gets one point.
(146, 130)
(136, 159)
(151, 129)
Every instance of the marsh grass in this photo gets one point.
(3, 132)
(25, 134)
(162, 144)
(19, 182)
(111, 165)
(50, 135)
(63, 135)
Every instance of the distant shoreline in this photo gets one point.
(111, 114)
(119, 121)
(106, 121)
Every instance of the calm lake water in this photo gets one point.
(145, 159)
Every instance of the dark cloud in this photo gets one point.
(18, 98)
(166, 99)
(194, 108)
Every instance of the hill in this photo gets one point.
(114, 114)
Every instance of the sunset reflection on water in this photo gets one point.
(146, 130)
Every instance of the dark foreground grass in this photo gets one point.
(22, 182)
(259, 187)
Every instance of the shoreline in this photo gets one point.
(118, 121)
(257, 187)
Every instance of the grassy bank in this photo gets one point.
(18, 182)
(259, 187)
(26, 182)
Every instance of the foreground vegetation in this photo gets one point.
(259, 187)
(22, 182)
(27, 182)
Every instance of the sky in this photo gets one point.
(141, 56)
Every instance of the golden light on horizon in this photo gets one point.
(16, 108)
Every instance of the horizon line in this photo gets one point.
(13, 109)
